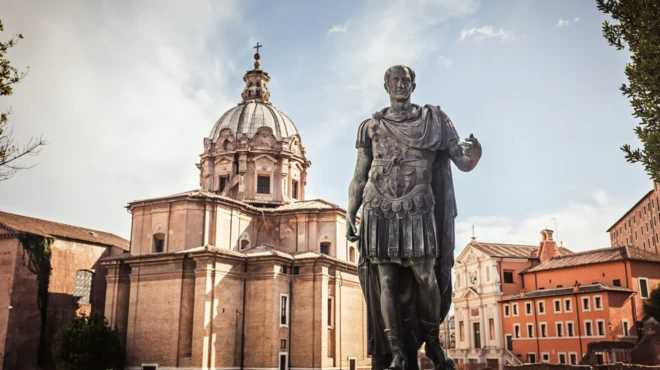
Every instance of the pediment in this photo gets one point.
(225, 159)
(470, 254)
(266, 156)
(470, 293)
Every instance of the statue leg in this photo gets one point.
(429, 300)
(389, 305)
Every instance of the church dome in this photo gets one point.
(254, 153)
(248, 117)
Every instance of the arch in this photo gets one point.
(245, 244)
(351, 254)
(82, 287)
(158, 243)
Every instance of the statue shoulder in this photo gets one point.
(363, 138)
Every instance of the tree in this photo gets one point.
(637, 26)
(88, 343)
(652, 305)
(10, 151)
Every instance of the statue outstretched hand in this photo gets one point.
(471, 147)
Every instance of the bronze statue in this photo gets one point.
(403, 182)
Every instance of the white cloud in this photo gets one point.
(125, 93)
(580, 225)
(445, 62)
(484, 32)
(566, 22)
(338, 28)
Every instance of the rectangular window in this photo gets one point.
(588, 329)
(461, 329)
(562, 358)
(601, 327)
(643, 288)
(568, 305)
(626, 329)
(331, 312)
(506, 310)
(569, 329)
(160, 245)
(294, 189)
(491, 327)
(528, 308)
(531, 358)
(222, 182)
(544, 330)
(541, 307)
(616, 282)
(557, 306)
(546, 357)
(516, 331)
(515, 309)
(508, 277)
(263, 184)
(598, 303)
(573, 357)
(283, 344)
(284, 310)
(530, 330)
(325, 248)
(560, 331)
(585, 304)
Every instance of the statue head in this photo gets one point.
(400, 82)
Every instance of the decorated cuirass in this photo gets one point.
(400, 176)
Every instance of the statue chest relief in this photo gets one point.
(397, 169)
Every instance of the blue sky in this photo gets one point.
(126, 92)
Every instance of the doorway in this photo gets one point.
(283, 361)
(476, 330)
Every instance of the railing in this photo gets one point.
(511, 358)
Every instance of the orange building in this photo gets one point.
(639, 226)
(568, 301)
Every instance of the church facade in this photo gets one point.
(245, 272)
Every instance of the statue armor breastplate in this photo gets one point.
(400, 176)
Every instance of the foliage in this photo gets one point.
(38, 250)
(88, 343)
(10, 152)
(652, 305)
(638, 27)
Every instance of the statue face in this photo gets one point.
(400, 85)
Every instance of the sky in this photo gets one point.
(126, 91)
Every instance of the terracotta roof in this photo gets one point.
(594, 256)
(313, 204)
(511, 250)
(542, 293)
(36, 226)
(631, 209)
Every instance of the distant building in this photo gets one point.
(244, 272)
(447, 330)
(570, 300)
(77, 283)
(639, 226)
(484, 274)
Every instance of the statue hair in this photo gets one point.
(389, 70)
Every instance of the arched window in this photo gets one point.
(159, 243)
(245, 244)
(325, 248)
(351, 254)
(82, 287)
